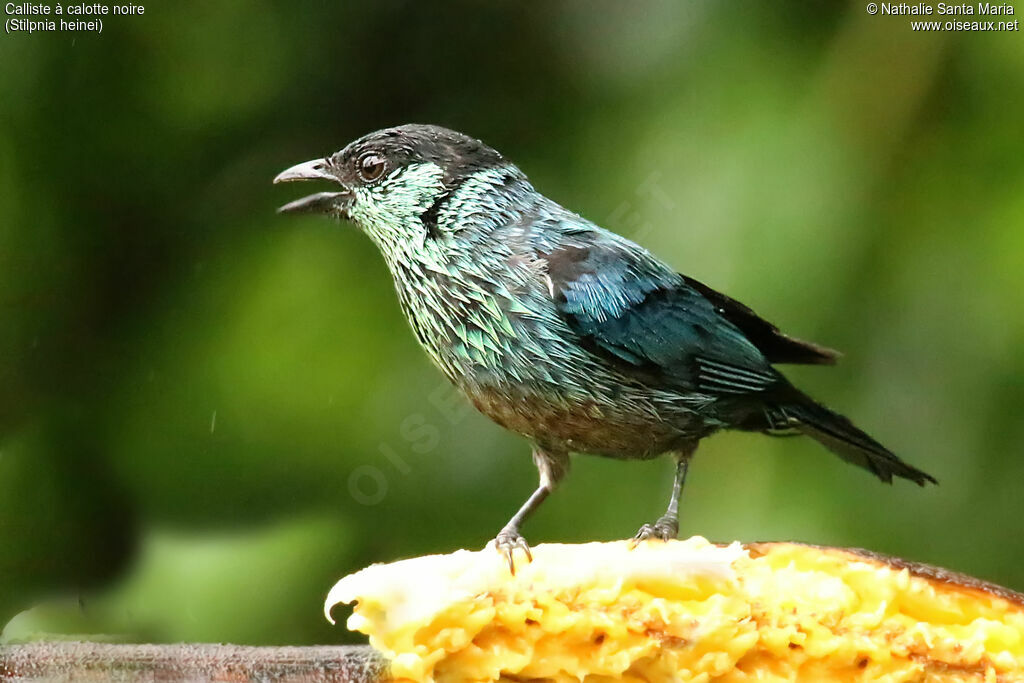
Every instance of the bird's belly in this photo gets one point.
(588, 426)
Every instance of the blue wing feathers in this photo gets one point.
(642, 315)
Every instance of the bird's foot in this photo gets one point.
(506, 542)
(665, 529)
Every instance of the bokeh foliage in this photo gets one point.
(208, 412)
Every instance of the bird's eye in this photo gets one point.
(371, 167)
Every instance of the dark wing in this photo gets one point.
(657, 325)
(651, 322)
(776, 346)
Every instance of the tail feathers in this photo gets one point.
(840, 436)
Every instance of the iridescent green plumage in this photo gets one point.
(562, 331)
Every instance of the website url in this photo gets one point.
(965, 25)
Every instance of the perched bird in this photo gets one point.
(559, 330)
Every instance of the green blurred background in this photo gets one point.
(208, 413)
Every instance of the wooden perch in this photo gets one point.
(63, 661)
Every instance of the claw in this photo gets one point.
(526, 548)
(506, 543)
(645, 532)
(663, 530)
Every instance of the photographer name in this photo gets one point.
(964, 9)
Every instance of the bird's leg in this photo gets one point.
(552, 467)
(667, 526)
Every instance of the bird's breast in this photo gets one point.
(474, 320)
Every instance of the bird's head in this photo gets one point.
(396, 183)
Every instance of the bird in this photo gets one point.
(564, 332)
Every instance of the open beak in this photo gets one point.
(332, 203)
